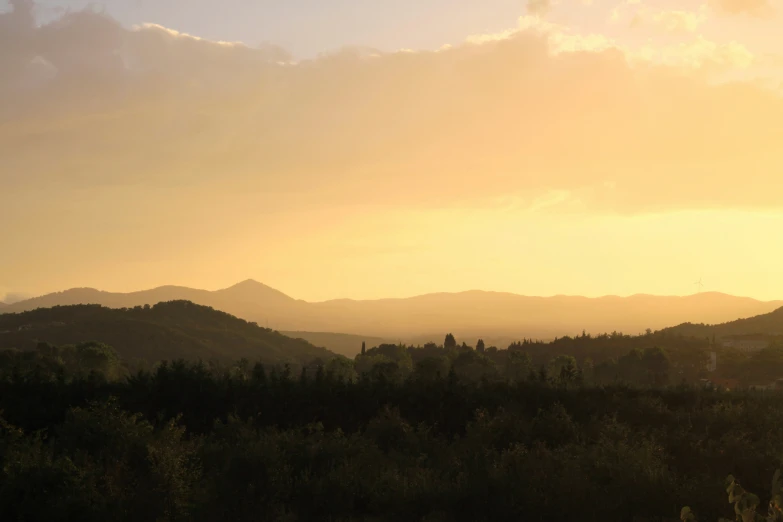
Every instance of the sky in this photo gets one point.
(341, 148)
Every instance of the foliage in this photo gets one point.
(399, 433)
(190, 441)
(746, 503)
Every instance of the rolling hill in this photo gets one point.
(165, 331)
(468, 315)
(770, 324)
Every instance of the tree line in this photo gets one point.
(80, 440)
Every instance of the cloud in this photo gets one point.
(667, 20)
(673, 21)
(535, 110)
(696, 54)
(539, 7)
(754, 7)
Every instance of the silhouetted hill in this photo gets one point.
(251, 291)
(250, 300)
(468, 315)
(765, 324)
(168, 330)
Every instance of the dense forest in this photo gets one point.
(189, 441)
(654, 359)
(608, 427)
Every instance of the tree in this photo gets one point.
(518, 366)
(259, 374)
(480, 346)
(341, 368)
(657, 365)
(387, 372)
(557, 364)
(588, 370)
(364, 348)
(91, 357)
(432, 368)
(630, 368)
(473, 366)
(450, 342)
(396, 353)
(365, 363)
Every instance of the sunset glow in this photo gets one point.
(576, 147)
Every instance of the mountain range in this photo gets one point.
(468, 315)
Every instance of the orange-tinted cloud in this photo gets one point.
(755, 7)
(672, 21)
(538, 7)
(533, 111)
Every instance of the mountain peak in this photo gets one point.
(248, 283)
(250, 289)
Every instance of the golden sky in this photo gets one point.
(587, 147)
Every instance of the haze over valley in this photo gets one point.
(417, 320)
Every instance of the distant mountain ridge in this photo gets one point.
(166, 331)
(246, 291)
(466, 314)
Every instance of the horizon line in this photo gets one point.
(428, 294)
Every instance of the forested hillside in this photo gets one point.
(767, 324)
(165, 331)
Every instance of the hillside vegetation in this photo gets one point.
(770, 324)
(165, 331)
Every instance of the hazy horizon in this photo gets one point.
(341, 149)
(18, 297)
